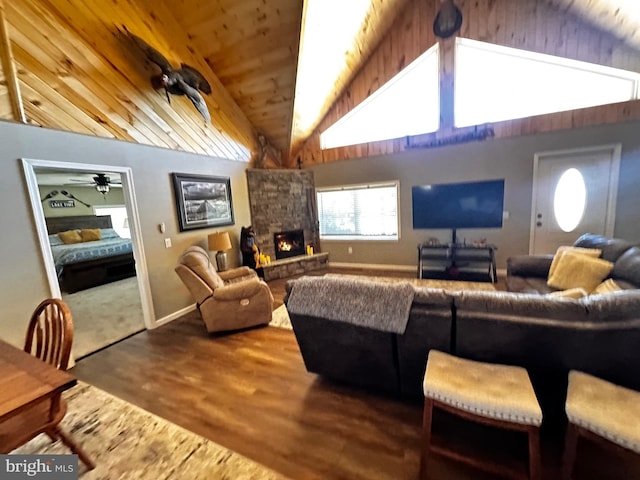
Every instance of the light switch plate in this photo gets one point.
(167, 242)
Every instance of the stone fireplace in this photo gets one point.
(283, 202)
(289, 244)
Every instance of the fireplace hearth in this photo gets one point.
(289, 243)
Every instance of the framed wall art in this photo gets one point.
(202, 201)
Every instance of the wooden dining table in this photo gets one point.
(24, 382)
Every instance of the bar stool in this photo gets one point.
(498, 396)
(602, 412)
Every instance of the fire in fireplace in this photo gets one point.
(289, 244)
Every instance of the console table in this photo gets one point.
(457, 261)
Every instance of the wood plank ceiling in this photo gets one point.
(75, 73)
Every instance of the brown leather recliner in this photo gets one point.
(228, 300)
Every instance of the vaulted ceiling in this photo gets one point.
(75, 73)
(253, 46)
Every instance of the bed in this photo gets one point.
(88, 264)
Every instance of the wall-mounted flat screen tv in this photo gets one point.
(458, 205)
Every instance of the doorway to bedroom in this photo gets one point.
(99, 275)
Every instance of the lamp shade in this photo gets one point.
(219, 241)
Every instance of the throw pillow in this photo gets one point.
(70, 236)
(576, 270)
(90, 234)
(607, 286)
(570, 293)
(592, 252)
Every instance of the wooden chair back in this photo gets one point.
(50, 333)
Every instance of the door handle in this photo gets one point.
(539, 224)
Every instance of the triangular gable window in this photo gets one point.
(408, 104)
(495, 83)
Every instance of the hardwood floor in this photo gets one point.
(249, 391)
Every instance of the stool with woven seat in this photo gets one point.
(603, 412)
(497, 396)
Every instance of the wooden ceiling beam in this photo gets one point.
(8, 66)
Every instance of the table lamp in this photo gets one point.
(220, 242)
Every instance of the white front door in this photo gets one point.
(574, 192)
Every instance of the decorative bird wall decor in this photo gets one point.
(183, 81)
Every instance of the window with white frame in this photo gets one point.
(119, 219)
(360, 212)
(408, 104)
(495, 83)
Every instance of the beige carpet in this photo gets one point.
(104, 315)
(127, 442)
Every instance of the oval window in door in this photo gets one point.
(569, 200)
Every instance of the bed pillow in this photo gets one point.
(90, 234)
(70, 236)
(107, 233)
(576, 270)
(591, 252)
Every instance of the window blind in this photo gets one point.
(364, 211)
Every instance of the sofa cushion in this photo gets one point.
(590, 252)
(527, 284)
(529, 265)
(509, 304)
(611, 248)
(627, 267)
(579, 271)
(570, 293)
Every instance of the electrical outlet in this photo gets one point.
(350, 250)
(167, 243)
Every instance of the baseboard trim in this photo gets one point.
(502, 272)
(374, 266)
(171, 317)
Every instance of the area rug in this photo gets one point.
(104, 315)
(280, 318)
(127, 442)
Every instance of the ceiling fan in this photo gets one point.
(101, 181)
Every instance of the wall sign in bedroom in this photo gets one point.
(62, 203)
(202, 201)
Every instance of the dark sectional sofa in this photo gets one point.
(598, 334)
(365, 356)
(528, 273)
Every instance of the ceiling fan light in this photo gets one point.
(103, 189)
